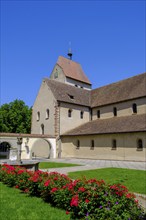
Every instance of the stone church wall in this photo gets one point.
(103, 146)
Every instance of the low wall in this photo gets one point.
(32, 145)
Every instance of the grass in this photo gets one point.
(16, 205)
(47, 165)
(134, 180)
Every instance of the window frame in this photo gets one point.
(139, 144)
(78, 144)
(81, 114)
(47, 113)
(69, 113)
(115, 111)
(114, 144)
(92, 144)
(38, 115)
(134, 108)
(98, 113)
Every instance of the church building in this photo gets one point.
(104, 123)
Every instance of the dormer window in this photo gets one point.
(71, 96)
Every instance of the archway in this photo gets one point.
(41, 148)
(4, 150)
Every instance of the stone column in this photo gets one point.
(19, 142)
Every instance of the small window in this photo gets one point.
(98, 113)
(47, 114)
(134, 108)
(114, 144)
(92, 145)
(69, 113)
(81, 87)
(56, 74)
(139, 144)
(115, 111)
(42, 128)
(78, 144)
(81, 114)
(38, 116)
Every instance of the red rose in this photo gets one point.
(74, 201)
(87, 200)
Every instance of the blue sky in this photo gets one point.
(107, 38)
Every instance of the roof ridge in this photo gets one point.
(120, 81)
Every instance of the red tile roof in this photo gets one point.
(72, 70)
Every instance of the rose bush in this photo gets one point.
(81, 199)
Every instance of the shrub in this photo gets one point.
(82, 199)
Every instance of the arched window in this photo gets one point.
(5, 146)
(38, 116)
(81, 114)
(78, 144)
(4, 150)
(69, 113)
(114, 144)
(47, 114)
(56, 74)
(134, 108)
(98, 113)
(115, 111)
(42, 128)
(139, 144)
(92, 145)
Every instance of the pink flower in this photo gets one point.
(47, 183)
(74, 201)
(53, 190)
(67, 212)
(87, 200)
(20, 171)
(82, 189)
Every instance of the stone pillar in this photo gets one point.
(19, 142)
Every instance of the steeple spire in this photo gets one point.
(70, 51)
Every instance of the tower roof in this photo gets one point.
(72, 70)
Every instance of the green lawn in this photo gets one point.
(16, 205)
(47, 165)
(135, 180)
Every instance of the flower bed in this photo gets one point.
(82, 199)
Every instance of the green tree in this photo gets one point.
(15, 117)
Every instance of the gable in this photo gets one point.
(72, 70)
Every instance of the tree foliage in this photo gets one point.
(15, 117)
